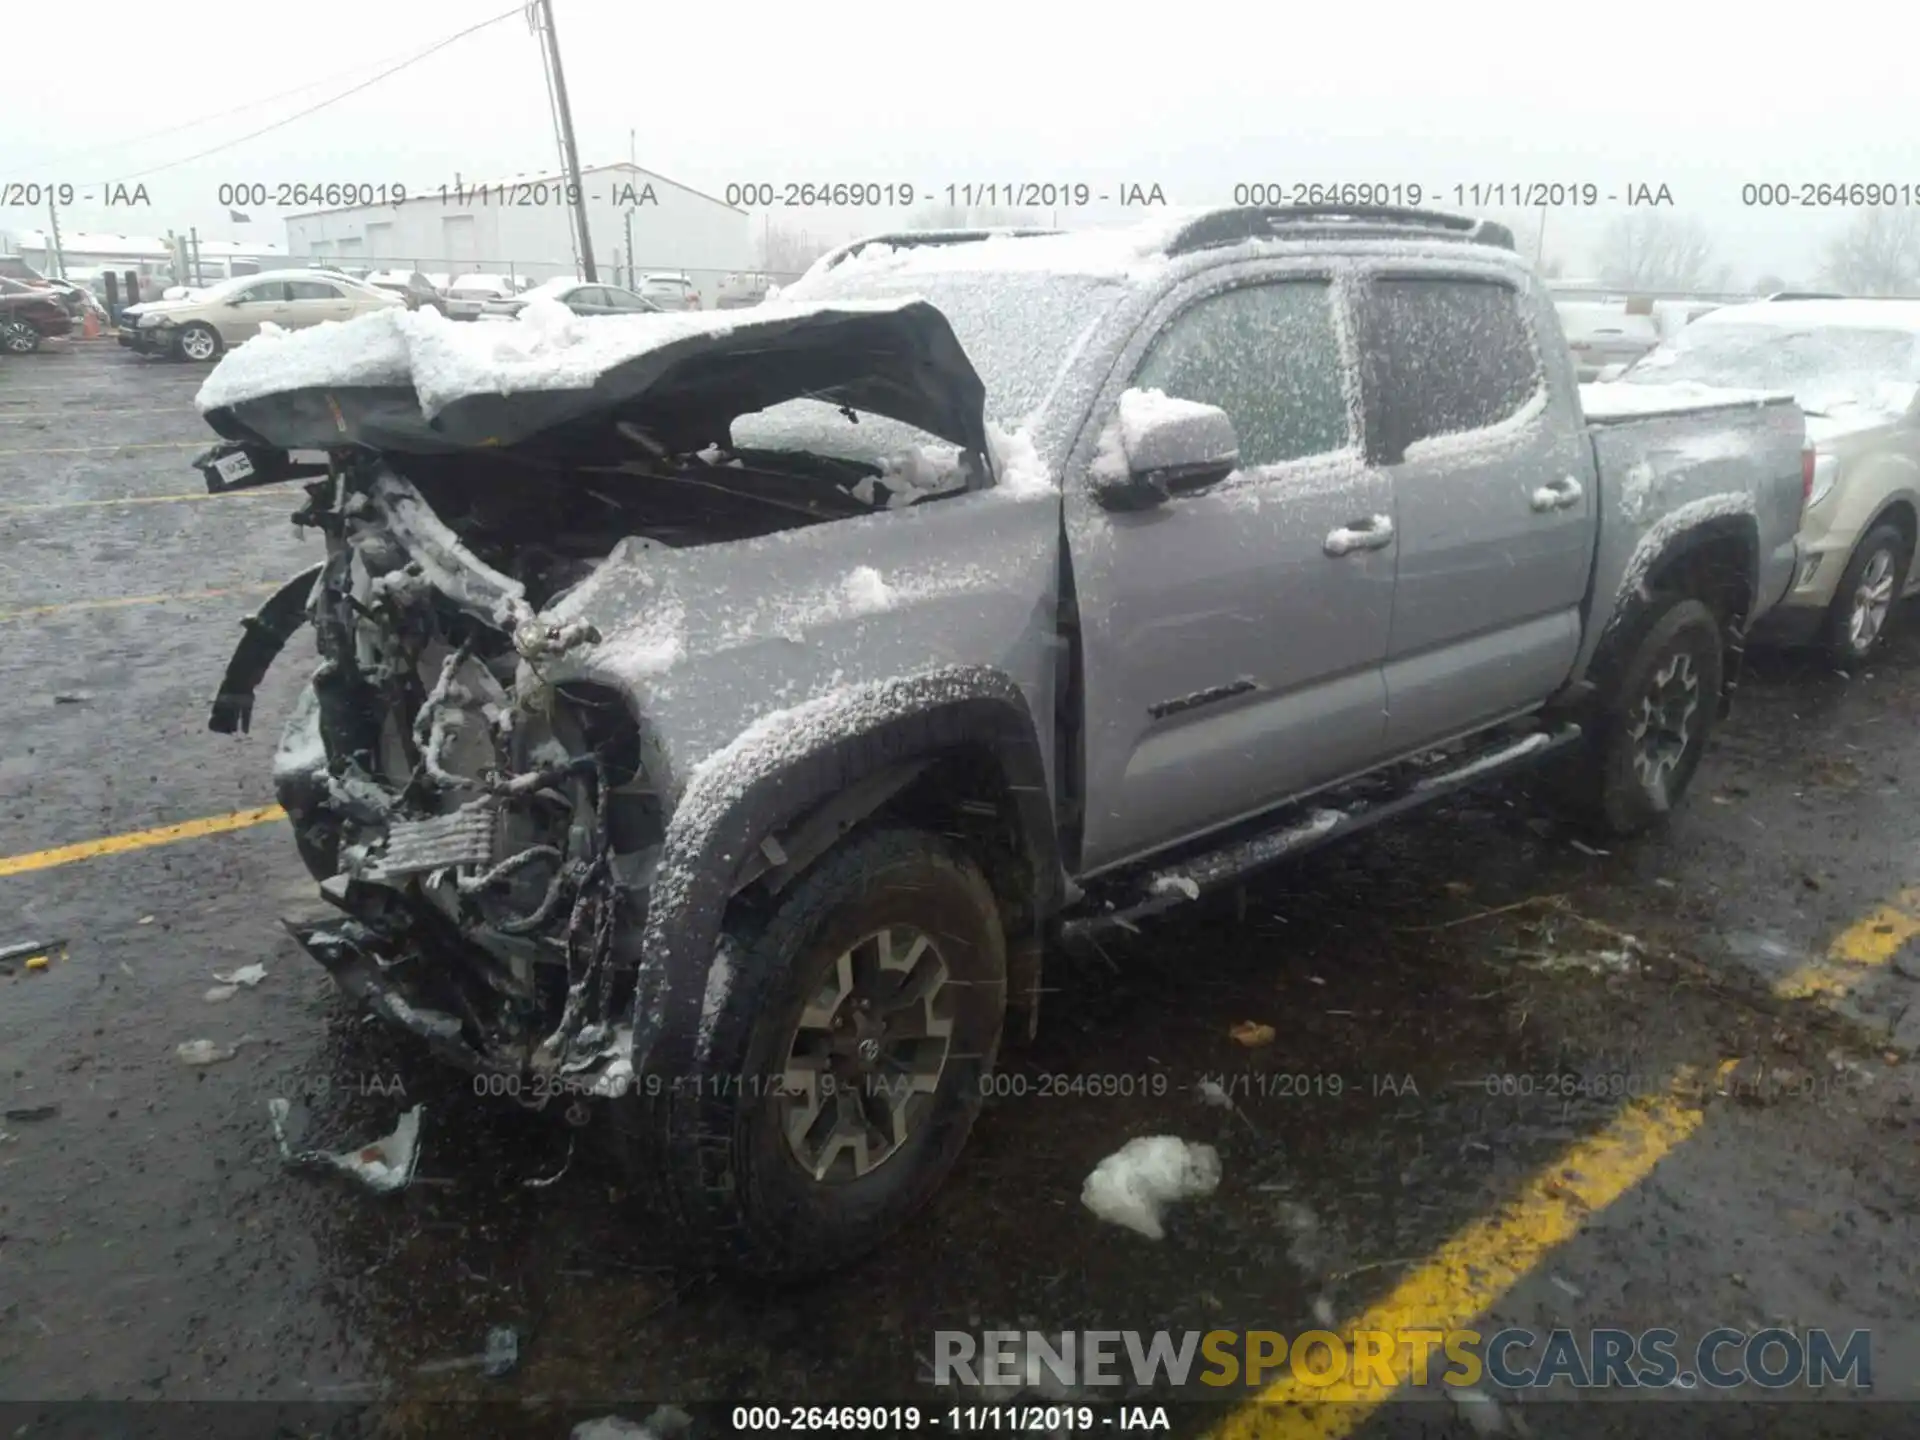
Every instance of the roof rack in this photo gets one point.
(1231, 226)
(903, 239)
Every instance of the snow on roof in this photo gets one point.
(96, 242)
(1820, 314)
(546, 347)
(1126, 252)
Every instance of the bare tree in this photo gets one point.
(1656, 251)
(960, 217)
(1877, 254)
(787, 253)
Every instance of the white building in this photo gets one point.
(522, 225)
(87, 254)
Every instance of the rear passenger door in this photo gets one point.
(1493, 493)
(241, 318)
(312, 301)
(1231, 654)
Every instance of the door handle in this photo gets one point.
(1558, 494)
(1375, 532)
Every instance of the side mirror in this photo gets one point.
(1169, 447)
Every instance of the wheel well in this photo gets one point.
(1718, 572)
(1901, 516)
(965, 795)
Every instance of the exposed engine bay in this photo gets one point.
(491, 834)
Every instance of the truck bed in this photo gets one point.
(1672, 456)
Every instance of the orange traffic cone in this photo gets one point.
(90, 326)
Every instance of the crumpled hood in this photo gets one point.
(414, 381)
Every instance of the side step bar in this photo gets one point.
(1305, 828)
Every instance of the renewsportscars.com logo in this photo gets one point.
(1386, 1360)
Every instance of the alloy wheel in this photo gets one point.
(1872, 602)
(1663, 727)
(866, 1058)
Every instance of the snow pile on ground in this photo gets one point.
(1134, 1185)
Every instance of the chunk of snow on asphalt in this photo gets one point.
(205, 1052)
(1175, 885)
(867, 591)
(245, 975)
(1134, 1185)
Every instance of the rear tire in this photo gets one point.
(1652, 724)
(751, 1166)
(1869, 589)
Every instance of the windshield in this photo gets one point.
(489, 284)
(1824, 368)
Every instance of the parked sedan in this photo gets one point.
(579, 297)
(1603, 335)
(206, 322)
(468, 295)
(1854, 367)
(670, 292)
(28, 315)
(411, 286)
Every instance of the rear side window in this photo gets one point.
(312, 290)
(1444, 357)
(1268, 355)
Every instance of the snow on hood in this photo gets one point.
(412, 379)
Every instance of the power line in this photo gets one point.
(202, 120)
(333, 100)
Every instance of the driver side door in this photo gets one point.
(1233, 643)
(244, 313)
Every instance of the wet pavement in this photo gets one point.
(1431, 989)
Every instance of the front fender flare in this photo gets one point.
(268, 631)
(782, 766)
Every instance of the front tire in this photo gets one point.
(19, 338)
(1871, 586)
(841, 1064)
(1653, 722)
(198, 342)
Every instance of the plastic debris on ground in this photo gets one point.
(1133, 1186)
(218, 993)
(1253, 1034)
(28, 1113)
(37, 954)
(383, 1165)
(500, 1359)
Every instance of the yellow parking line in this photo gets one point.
(1480, 1264)
(1857, 952)
(141, 500)
(37, 610)
(139, 840)
(96, 449)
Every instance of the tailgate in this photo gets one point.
(1669, 464)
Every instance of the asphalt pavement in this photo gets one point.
(1404, 1150)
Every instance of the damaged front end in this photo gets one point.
(488, 835)
(487, 820)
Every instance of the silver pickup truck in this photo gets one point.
(718, 716)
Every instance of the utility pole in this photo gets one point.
(56, 258)
(568, 149)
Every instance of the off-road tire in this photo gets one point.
(1601, 782)
(1838, 636)
(708, 1155)
(180, 342)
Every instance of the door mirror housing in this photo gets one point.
(1158, 447)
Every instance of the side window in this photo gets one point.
(312, 290)
(270, 293)
(1445, 356)
(1268, 355)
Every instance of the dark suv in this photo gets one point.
(29, 315)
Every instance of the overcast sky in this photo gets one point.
(1195, 96)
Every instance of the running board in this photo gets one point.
(1306, 828)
